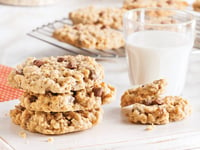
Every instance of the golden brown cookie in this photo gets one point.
(54, 122)
(61, 74)
(174, 4)
(111, 17)
(85, 99)
(144, 94)
(90, 36)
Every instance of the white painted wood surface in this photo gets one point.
(114, 132)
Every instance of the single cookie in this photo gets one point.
(155, 114)
(61, 74)
(145, 94)
(196, 5)
(174, 4)
(111, 17)
(85, 99)
(173, 108)
(54, 122)
(90, 36)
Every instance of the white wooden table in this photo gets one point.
(114, 132)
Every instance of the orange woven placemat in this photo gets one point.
(6, 92)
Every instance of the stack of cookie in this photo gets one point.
(150, 107)
(61, 94)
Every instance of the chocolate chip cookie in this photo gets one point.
(111, 17)
(90, 36)
(84, 99)
(61, 74)
(150, 107)
(55, 122)
(173, 4)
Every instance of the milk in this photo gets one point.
(158, 54)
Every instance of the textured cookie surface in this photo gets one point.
(175, 4)
(145, 94)
(154, 114)
(177, 107)
(55, 123)
(61, 74)
(173, 108)
(90, 36)
(85, 99)
(111, 17)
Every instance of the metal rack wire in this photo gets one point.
(44, 33)
(197, 40)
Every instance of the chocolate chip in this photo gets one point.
(38, 63)
(169, 2)
(71, 65)
(54, 94)
(60, 59)
(19, 107)
(97, 91)
(159, 5)
(104, 27)
(101, 14)
(76, 28)
(32, 98)
(19, 72)
(93, 75)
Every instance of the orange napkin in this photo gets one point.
(6, 92)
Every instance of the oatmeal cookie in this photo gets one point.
(154, 114)
(84, 99)
(90, 36)
(111, 17)
(144, 94)
(174, 4)
(61, 74)
(55, 122)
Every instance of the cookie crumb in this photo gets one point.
(149, 127)
(22, 134)
(50, 139)
(27, 142)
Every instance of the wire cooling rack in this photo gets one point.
(197, 40)
(44, 33)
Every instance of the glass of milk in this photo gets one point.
(158, 45)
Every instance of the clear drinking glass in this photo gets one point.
(158, 45)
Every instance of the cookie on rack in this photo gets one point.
(174, 4)
(90, 36)
(61, 74)
(84, 99)
(55, 122)
(111, 17)
(144, 94)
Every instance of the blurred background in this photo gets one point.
(17, 21)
